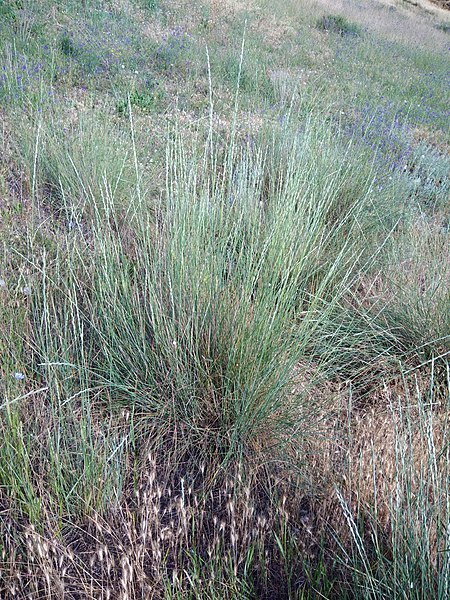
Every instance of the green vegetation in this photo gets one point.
(338, 24)
(444, 27)
(224, 302)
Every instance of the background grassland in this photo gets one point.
(224, 300)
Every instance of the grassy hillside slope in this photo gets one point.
(224, 300)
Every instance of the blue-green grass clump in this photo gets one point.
(339, 25)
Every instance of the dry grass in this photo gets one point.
(167, 533)
(391, 19)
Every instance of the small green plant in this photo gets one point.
(445, 27)
(251, 81)
(7, 11)
(338, 24)
(151, 5)
(67, 46)
(146, 100)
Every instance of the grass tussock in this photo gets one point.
(223, 308)
(339, 25)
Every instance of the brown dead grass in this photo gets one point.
(274, 31)
(433, 138)
(378, 458)
(230, 8)
(144, 545)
